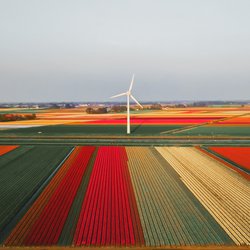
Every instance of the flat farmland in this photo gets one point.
(56, 193)
(23, 171)
(237, 158)
(173, 122)
(88, 130)
(217, 130)
(116, 196)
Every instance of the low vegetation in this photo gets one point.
(16, 117)
(101, 110)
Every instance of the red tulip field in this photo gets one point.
(178, 122)
(155, 121)
(109, 213)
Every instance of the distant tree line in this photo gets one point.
(101, 110)
(16, 117)
(156, 106)
(118, 108)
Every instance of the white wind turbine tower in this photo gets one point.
(129, 95)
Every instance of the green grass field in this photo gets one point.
(22, 111)
(217, 131)
(88, 130)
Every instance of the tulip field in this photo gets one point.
(117, 196)
(238, 155)
(236, 158)
(216, 187)
(178, 122)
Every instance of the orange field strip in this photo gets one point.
(21, 230)
(6, 149)
(237, 121)
(238, 155)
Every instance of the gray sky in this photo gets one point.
(87, 50)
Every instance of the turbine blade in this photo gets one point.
(136, 101)
(114, 96)
(132, 82)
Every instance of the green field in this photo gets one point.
(88, 130)
(217, 131)
(22, 111)
(22, 172)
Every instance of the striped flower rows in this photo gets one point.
(124, 196)
(19, 234)
(226, 160)
(47, 222)
(221, 191)
(170, 214)
(109, 214)
(22, 173)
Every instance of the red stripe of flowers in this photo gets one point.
(108, 210)
(6, 149)
(48, 226)
(146, 120)
(239, 155)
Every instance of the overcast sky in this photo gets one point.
(87, 50)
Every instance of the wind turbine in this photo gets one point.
(129, 95)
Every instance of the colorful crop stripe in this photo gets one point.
(239, 155)
(109, 214)
(43, 223)
(115, 196)
(159, 120)
(6, 149)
